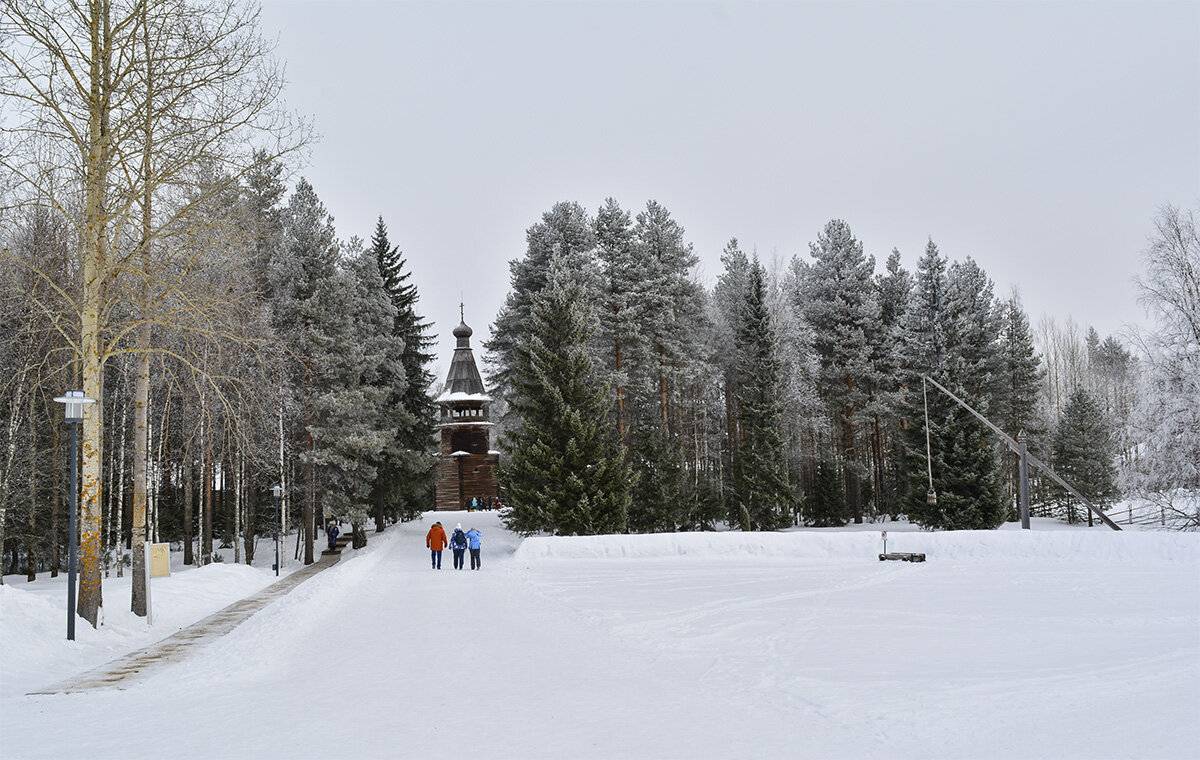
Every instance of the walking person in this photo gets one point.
(473, 543)
(435, 539)
(458, 545)
(332, 532)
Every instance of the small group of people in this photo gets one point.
(459, 543)
(476, 503)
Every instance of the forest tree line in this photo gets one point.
(151, 259)
(634, 398)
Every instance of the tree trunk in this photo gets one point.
(95, 275)
(206, 533)
(188, 511)
(30, 558)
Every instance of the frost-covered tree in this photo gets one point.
(403, 487)
(564, 472)
(358, 384)
(1083, 452)
(842, 308)
(566, 232)
(1167, 417)
(315, 309)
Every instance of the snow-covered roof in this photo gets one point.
(462, 396)
(461, 454)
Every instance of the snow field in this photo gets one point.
(1071, 643)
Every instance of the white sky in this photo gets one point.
(1039, 138)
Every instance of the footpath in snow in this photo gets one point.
(1070, 643)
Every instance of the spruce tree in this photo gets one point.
(564, 473)
(969, 494)
(1083, 451)
(403, 488)
(842, 308)
(951, 334)
(760, 490)
(1016, 408)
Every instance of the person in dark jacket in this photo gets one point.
(435, 539)
(332, 532)
(458, 545)
(473, 543)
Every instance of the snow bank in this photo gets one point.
(803, 545)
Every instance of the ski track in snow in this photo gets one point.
(676, 655)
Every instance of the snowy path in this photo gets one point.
(121, 672)
(689, 657)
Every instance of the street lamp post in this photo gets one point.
(73, 415)
(277, 490)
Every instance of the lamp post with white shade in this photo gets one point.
(277, 491)
(73, 402)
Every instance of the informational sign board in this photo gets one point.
(160, 560)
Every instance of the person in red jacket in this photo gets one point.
(435, 539)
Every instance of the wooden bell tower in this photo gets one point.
(466, 463)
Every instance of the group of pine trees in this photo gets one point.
(639, 400)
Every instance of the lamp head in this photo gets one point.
(277, 490)
(74, 402)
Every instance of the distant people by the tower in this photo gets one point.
(435, 539)
(458, 545)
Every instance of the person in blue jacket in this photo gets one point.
(332, 532)
(473, 543)
(458, 545)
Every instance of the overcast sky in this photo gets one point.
(1038, 138)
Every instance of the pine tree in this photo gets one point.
(1083, 451)
(622, 279)
(404, 485)
(564, 472)
(842, 308)
(895, 291)
(669, 309)
(761, 493)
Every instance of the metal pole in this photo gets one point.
(276, 536)
(71, 538)
(1023, 477)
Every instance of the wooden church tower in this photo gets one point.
(466, 463)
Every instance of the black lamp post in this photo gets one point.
(73, 415)
(277, 490)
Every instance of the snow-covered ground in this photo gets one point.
(1065, 643)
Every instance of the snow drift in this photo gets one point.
(976, 545)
